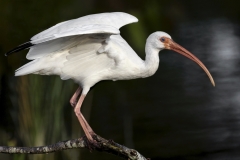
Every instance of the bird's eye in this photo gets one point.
(162, 39)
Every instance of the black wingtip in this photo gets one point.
(19, 48)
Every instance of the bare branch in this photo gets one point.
(103, 145)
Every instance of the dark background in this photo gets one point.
(175, 114)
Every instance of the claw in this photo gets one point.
(92, 144)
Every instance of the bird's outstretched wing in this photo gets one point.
(82, 57)
(108, 23)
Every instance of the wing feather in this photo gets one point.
(52, 39)
(49, 47)
(90, 24)
(78, 62)
(83, 63)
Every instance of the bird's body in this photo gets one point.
(90, 49)
(90, 59)
(87, 58)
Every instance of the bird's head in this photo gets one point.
(161, 40)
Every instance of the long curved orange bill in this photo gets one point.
(170, 44)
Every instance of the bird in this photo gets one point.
(90, 49)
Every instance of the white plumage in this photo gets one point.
(90, 49)
(95, 23)
(78, 49)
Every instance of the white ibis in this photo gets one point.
(90, 49)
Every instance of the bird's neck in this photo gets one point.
(151, 60)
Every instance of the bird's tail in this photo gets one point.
(28, 68)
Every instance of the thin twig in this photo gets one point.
(103, 145)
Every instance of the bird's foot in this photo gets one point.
(92, 143)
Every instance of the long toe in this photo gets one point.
(92, 144)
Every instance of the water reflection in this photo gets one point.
(216, 110)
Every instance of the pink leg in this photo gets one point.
(86, 128)
(74, 99)
(76, 104)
